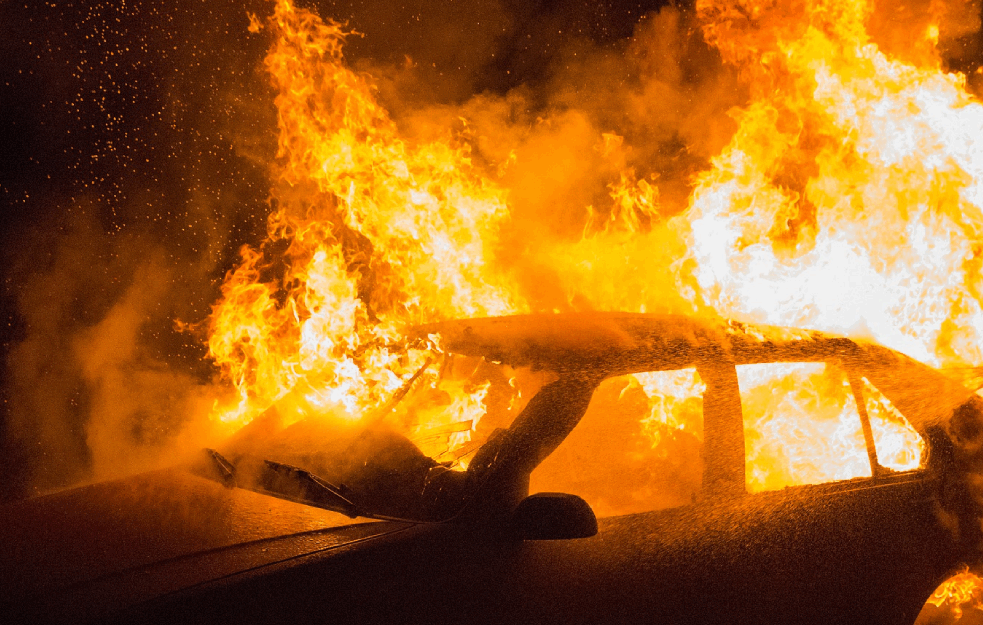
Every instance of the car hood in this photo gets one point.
(83, 552)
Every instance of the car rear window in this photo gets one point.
(802, 426)
(899, 446)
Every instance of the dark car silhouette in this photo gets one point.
(370, 529)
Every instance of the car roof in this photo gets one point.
(615, 343)
(625, 342)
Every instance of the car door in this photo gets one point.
(866, 548)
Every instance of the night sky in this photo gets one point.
(129, 103)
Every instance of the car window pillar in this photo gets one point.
(548, 419)
(723, 431)
(538, 430)
(856, 385)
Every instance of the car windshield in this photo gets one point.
(409, 459)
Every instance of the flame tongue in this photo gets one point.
(369, 234)
(850, 197)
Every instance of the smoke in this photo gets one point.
(139, 406)
(608, 121)
(450, 48)
(102, 384)
(140, 136)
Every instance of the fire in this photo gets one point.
(370, 234)
(800, 416)
(848, 199)
(670, 402)
(961, 591)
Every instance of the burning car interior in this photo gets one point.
(493, 312)
(582, 369)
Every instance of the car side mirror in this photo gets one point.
(553, 516)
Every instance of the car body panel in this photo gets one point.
(426, 573)
(800, 555)
(90, 550)
(848, 552)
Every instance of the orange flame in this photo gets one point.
(370, 234)
(849, 199)
(961, 591)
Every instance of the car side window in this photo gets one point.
(638, 447)
(801, 425)
(899, 446)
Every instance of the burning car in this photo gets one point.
(317, 520)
